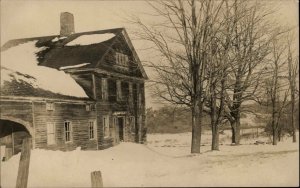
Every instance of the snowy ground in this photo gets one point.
(164, 161)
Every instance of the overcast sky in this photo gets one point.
(23, 19)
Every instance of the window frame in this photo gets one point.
(53, 133)
(93, 129)
(105, 125)
(90, 107)
(50, 106)
(70, 131)
(121, 58)
(119, 90)
(104, 88)
(132, 124)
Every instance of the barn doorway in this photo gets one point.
(11, 138)
(121, 128)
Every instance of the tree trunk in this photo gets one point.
(279, 135)
(232, 133)
(215, 138)
(235, 127)
(275, 136)
(213, 119)
(196, 128)
(293, 116)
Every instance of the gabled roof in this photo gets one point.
(58, 53)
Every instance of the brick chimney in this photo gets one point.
(66, 24)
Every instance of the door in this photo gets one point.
(121, 128)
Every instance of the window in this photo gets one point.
(121, 59)
(50, 133)
(132, 124)
(68, 131)
(50, 106)
(92, 130)
(104, 88)
(140, 121)
(119, 90)
(112, 90)
(106, 126)
(115, 121)
(89, 107)
(139, 100)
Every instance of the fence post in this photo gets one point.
(23, 170)
(96, 179)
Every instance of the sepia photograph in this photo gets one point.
(149, 93)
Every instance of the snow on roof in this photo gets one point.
(22, 59)
(74, 66)
(57, 39)
(91, 39)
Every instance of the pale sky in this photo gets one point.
(23, 19)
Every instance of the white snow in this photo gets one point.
(58, 38)
(22, 59)
(74, 66)
(90, 39)
(165, 161)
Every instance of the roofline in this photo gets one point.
(44, 99)
(74, 34)
(100, 71)
(126, 36)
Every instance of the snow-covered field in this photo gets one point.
(164, 161)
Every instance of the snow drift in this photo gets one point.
(155, 165)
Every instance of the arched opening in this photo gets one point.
(11, 137)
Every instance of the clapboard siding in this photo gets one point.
(76, 114)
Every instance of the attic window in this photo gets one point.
(121, 58)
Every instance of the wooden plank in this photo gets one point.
(23, 170)
(96, 179)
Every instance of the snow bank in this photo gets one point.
(136, 165)
(91, 39)
(22, 59)
(74, 66)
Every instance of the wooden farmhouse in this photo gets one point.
(72, 90)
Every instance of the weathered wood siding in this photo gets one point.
(76, 114)
(17, 110)
(109, 106)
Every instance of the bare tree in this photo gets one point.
(182, 40)
(251, 35)
(276, 86)
(293, 63)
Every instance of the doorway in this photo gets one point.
(121, 128)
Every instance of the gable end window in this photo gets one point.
(50, 106)
(121, 58)
(68, 131)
